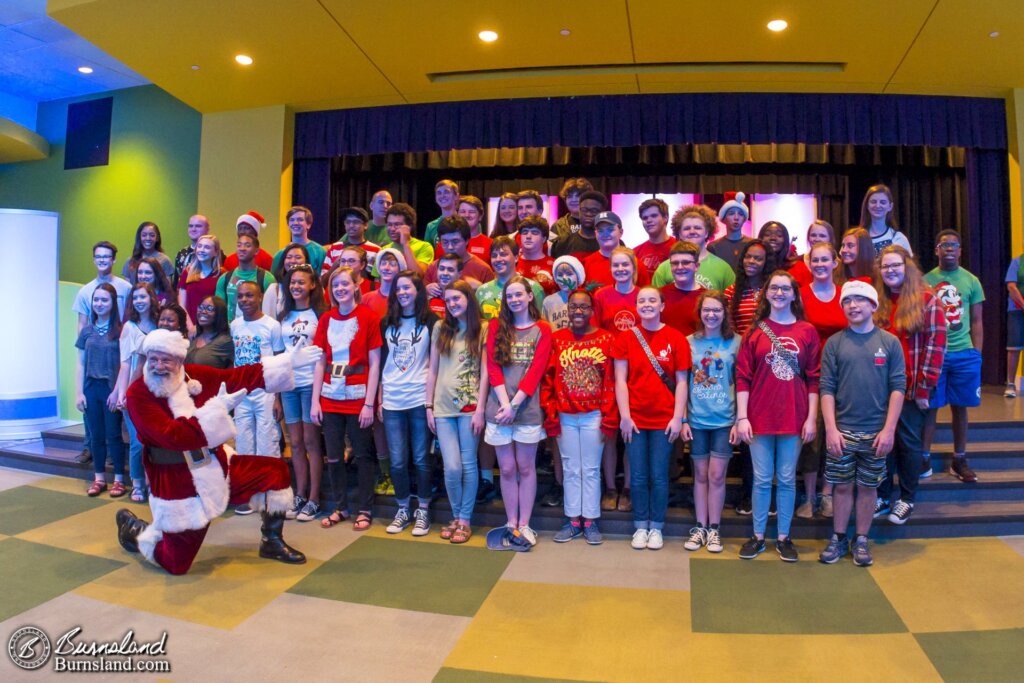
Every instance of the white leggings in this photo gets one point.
(581, 445)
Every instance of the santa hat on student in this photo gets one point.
(573, 263)
(253, 220)
(734, 200)
(399, 256)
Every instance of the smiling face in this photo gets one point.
(527, 206)
(162, 365)
(395, 223)
(684, 267)
(693, 230)
(168, 320)
(301, 284)
(622, 269)
(447, 272)
(456, 303)
(754, 260)
(294, 257)
(580, 309)
(879, 206)
(654, 222)
(858, 309)
(507, 210)
(848, 250)
(197, 227)
(775, 238)
(205, 250)
(206, 312)
(565, 277)
(823, 263)
(445, 197)
(608, 236)
(712, 313)
(245, 249)
(148, 238)
(104, 260)
(298, 224)
(649, 305)
(405, 293)
(343, 288)
(572, 202)
(471, 214)
(387, 267)
(140, 301)
(102, 302)
(144, 273)
(894, 271)
(780, 293)
(503, 262)
(249, 299)
(517, 298)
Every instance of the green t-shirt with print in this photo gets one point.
(957, 290)
(488, 295)
(712, 273)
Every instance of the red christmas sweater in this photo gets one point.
(580, 378)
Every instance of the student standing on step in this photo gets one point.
(876, 215)
(863, 379)
(961, 296)
(1014, 323)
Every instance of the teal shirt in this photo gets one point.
(317, 254)
(430, 233)
(488, 295)
(712, 399)
(378, 234)
(713, 273)
(957, 290)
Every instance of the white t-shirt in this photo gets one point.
(888, 237)
(83, 300)
(132, 337)
(255, 339)
(298, 329)
(404, 375)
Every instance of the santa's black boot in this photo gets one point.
(128, 529)
(272, 545)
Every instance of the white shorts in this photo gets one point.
(502, 435)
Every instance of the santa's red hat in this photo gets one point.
(253, 220)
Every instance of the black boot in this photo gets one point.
(272, 545)
(128, 529)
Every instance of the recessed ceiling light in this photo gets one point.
(565, 32)
(85, 70)
(994, 34)
(488, 36)
(195, 67)
(244, 60)
(777, 25)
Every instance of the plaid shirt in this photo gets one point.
(927, 351)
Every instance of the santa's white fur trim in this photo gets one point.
(194, 387)
(215, 421)
(180, 403)
(147, 541)
(275, 500)
(277, 373)
(178, 515)
(212, 487)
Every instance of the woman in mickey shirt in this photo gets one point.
(777, 403)
(652, 407)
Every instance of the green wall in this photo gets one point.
(153, 175)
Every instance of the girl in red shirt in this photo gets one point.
(615, 304)
(746, 292)
(652, 406)
(857, 254)
(777, 404)
(781, 255)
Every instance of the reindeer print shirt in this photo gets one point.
(405, 364)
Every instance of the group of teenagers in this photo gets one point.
(832, 362)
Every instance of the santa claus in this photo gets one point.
(182, 416)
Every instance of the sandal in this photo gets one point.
(461, 534)
(363, 521)
(117, 489)
(96, 489)
(138, 494)
(336, 517)
(446, 533)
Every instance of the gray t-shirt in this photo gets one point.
(102, 355)
(861, 371)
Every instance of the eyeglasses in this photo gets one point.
(785, 289)
(676, 263)
(890, 266)
(949, 245)
(590, 210)
(206, 308)
(579, 307)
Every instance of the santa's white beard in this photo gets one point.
(162, 387)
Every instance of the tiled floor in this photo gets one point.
(371, 607)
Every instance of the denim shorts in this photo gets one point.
(503, 435)
(710, 442)
(296, 405)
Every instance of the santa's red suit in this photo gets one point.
(187, 493)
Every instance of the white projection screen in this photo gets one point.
(28, 346)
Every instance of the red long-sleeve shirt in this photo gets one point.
(580, 378)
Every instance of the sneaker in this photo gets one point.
(752, 548)
(485, 491)
(805, 511)
(400, 522)
(528, 534)
(293, 511)
(835, 550)
(654, 539)
(553, 498)
(714, 541)
(591, 533)
(826, 506)
(639, 541)
(85, 457)
(1011, 391)
(901, 512)
(421, 527)
(744, 507)
(568, 532)
(698, 538)
(926, 468)
(882, 508)
(609, 500)
(309, 512)
(787, 552)
(244, 510)
(962, 471)
(385, 487)
(861, 553)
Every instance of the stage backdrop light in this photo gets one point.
(628, 208)
(28, 350)
(795, 211)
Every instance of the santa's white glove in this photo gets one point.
(230, 401)
(307, 355)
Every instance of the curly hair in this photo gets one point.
(764, 308)
(742, 283)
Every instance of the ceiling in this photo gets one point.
(322, 54)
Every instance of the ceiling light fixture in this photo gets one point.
(244, 60)
(565, 32)
(488, 36)
(85, 70)
(195, 67)
(994, 34)
(777, 25)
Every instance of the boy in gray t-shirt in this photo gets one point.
(863, 379)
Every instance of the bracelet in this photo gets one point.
(742, 418)
(428, 406)
(368, 405)
(684, 420)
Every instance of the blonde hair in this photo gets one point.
(194, 273)
(629, 254)
(909, 317)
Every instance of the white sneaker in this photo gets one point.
(654, 539)
(422, 525)
(400, 522)
(698, 538)
(714, 541)
(529, 534)
(639, 541)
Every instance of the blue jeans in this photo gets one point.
(458, 450)
(134, 451)
(648, 454)
(104, 427)
(407, 431)
(774, 455)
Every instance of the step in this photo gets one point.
(36, 456)
(987, 455)
(992, 485)
(70, 438)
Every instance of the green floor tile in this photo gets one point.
(766, 596)
(447, 675)
(31, 573)
(28, 507)
(989, 656)
(426, 577)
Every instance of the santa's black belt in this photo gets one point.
(193, 458)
